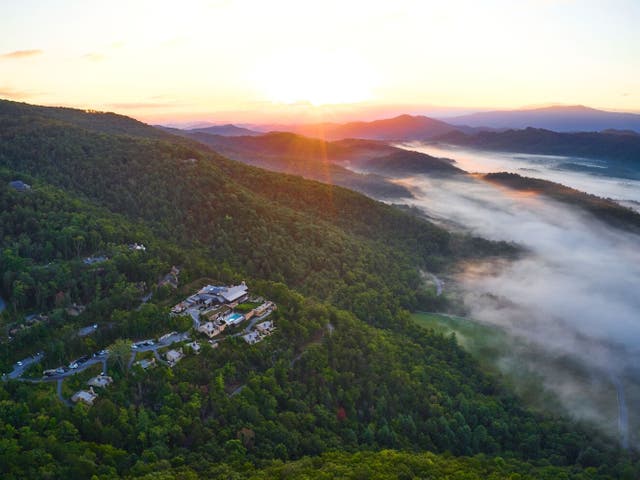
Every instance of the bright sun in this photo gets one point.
(319, 79)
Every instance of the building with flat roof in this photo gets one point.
(174, 356)
(100, 381)
(252, 337)
(85, 396)
(236, 293)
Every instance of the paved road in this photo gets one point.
(18, 370)
(59, 393)
(83, 332)
(178, 337)
(81, 368)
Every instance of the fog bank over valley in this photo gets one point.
(579, 173)
(571, 304)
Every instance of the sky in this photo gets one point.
(294, 60)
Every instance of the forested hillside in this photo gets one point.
(345, 371)
(316, 238)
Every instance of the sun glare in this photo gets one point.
(317, 79)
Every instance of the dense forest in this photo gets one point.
(347, 371)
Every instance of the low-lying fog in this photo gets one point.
(553, 168)
(573, 303)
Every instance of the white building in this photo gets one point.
(252, 337)
(174, 356)
(85, 396)
(265, 328)
(100, 381)
(211, 329)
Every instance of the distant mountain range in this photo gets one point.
(400, 128)
(419, 127)
(575, 118)
(227, 130)
(618, 152)
(329, 162)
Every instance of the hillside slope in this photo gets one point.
(400, 128)
(276, 226)
(329, 379)
(330, 162)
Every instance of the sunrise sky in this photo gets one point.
(257, 61)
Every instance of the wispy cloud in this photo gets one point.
(139, 105)
(7, 92)
(17, 54)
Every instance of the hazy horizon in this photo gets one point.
(241, 61)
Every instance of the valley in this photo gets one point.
(331, 240)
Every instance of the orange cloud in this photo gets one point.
(139, 105)
(6, 92)
(21, 54)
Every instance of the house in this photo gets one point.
(101, 381)
(262, 309)
(252, 337)
(75, 309)
(147, 363)
(266, 328)
(170, 278)
(34, 319)
(83, 332)
(195, 346)
(85, 396)
(212, 289)
(94, 260)
(238, 293)
(211, 329)
(19, 186)
(173, 356)
(137, 246)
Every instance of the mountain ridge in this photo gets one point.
(572, 118)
